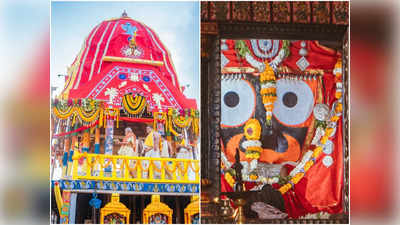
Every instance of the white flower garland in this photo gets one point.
(256, 44)
(251, 143)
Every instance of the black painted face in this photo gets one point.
(241, 101)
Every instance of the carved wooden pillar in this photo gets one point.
(97, 141)
(178, 211)
(215, 105)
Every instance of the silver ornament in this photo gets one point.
(321, 112)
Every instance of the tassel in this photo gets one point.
(117, 114)
(101, 118)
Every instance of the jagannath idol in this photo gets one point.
(281, 107)
(124, 136)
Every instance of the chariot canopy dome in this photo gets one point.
(123, 56)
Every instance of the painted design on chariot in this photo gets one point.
(132, 50)
(195, 219)
(192, 211)
(165, 56)
(289, 98)
(157, 212)
(115, 96)
(114, 212)
(158, 219)
(114, 218)
(124, 186)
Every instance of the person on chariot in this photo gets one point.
(152, 146)
(129, 148)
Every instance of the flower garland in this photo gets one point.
(134, 105)
(182, 122)
(63, 115)
(311, 157)
(87, 111)
(88, 117)
(174, 165)
(181, 119)
(268, 91)
(195, 168)
(229, 177)
(159, 117)
(112, 113)
(183, 170)
(252, 132)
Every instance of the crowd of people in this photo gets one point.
(156, 145)
(153, 145)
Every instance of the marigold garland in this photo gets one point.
(195, 168)
(171, 129)
(285, 188)
(134, 105)
(183, 170)
(155, 168)
(229, 179)
(268, 93)
(339, 108)
(334, 118)
(316, 153)
(63, 114)
(88, 117)
(252, 155)
(159, 117)
(182, 121)
(253, 175)
(87, 111)
(308, 165)
(174, 165)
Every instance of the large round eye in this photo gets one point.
(238, 102)
(294, 103)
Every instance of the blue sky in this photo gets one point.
(176, 23)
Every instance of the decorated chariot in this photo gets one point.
(123, 127)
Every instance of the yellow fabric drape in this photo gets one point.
(149, 140)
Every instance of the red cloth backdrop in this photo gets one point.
(321, 187)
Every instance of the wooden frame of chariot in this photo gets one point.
(331, 35)
(192, 209)
(115, 206)
(156, 207)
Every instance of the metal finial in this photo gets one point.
(124, 14)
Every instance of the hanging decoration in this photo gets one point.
(63, 114)
(88, 117)
(160, 120)
(268, 91)
(95, 202)
(176, 121)
(89, 112)
(86, 111)
(302, 63)
(134, 105)
(182, 121)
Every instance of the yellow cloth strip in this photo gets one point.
(130, 60)
(58, 196)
